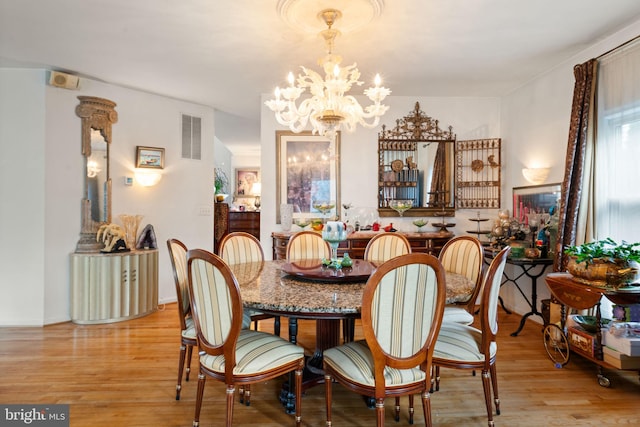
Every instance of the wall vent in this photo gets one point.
(191, 137)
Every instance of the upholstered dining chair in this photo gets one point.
(239, 247)
(465, 347)
(384, 246)
(178, 256)
(402, 307)
(307, 245)
(463, 255)
(229, 353)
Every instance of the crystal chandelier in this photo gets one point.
(329, 107)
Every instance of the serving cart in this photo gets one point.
(579, 296)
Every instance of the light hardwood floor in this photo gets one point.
(124, 374)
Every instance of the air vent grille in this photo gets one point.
(191, 137)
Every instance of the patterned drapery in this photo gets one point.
(578, 153)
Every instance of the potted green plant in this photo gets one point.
(221, 181)
(604, 262)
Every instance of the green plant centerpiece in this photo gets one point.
(604, 263)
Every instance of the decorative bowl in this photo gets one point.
(588, 323)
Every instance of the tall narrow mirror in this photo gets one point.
(97, 116)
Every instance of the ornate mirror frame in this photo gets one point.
(401, 170)
(96, 114)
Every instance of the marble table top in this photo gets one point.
(264, 287)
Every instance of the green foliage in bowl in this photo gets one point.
(606, 250)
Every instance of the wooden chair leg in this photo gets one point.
(397, 418)
(411, 410)
(426, 409)
(247, 395)
(231, 391)
(299, 394)
(494, 383)
(183, 350)
(379, 412)
(200, 393)
(327, 397)
(437, 378)
(486, 385)
(189, 352)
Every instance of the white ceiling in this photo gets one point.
(225, 54)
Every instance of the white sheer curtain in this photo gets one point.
(617, 147)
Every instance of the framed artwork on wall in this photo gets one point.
(534, 199)
(245, 180)
(149, 157)
(307, 170)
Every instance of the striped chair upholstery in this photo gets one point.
(465, 347)
(229, 353)
(178, 256)
(402, 309)
(463, 255)
(307, 245)
(239, 248)
(382, 247)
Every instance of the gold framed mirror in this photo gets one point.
(97, 115)
(416, 167)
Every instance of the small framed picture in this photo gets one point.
(245, 180)
(149, 157)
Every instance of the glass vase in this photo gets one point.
(286, 216)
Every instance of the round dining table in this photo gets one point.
(309, 290)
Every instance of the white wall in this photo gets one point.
(471, 118)
(22, 196)
(41, 195)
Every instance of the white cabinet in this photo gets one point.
(113, 287)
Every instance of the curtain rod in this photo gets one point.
(619, 46)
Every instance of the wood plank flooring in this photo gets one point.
(124, 374)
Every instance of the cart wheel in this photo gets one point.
(556, 344)
(603, 381)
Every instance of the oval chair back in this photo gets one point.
(384, 246)
(307, 245)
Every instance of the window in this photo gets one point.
(617, 145)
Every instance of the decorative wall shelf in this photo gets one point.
(478, 174)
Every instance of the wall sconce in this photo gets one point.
(147, 178)
(535, 176)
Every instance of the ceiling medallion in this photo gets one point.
(302, 14)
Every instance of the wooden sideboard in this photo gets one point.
(356, 243)
(225, 221)
(113, 287)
